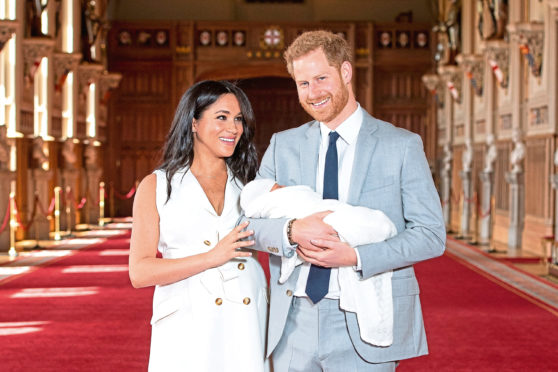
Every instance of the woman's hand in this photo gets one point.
(228, 247)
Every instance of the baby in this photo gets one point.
(370, 299)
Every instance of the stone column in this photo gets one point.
(39, 187)
(554, 182)
(485, 217)
(465, 174)
(93, 173)
(466, 212)
(446, 185)
(517, 211)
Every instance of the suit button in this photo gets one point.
(246, 300)
(206, 242)
(289, 292)
(218, 301)
(241, 266)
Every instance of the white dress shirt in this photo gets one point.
(346, 144)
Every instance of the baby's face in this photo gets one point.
(275, 187)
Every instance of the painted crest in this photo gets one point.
(222, 38)
(239, 38)
(205, 38)
(272, 38)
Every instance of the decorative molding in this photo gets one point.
(473, 65)
(63, 64)
(88, 73)
(434, 84)
(530, 37)
(498, 56)
(7, 29)
(34, 50)
(108, 81)
(453, 77)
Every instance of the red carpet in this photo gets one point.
(102, 328)
(475, 324)
(98, 322)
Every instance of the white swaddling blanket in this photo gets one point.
(371, 299)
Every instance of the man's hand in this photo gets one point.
(312, 227)
(328, 253)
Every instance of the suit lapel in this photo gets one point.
(366, 143)
(309, 149)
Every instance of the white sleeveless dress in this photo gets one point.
(215, 320)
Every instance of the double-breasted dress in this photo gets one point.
(215, 320)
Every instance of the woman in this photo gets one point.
(210, 301)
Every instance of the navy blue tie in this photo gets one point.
(317, 285)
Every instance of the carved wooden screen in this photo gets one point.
(537, 173)
(501, 187)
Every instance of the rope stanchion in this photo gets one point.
(70, 196)
(19, 222)
(102, 204)
(128, 195)
(13, 223)
(50, 209)
(57, 191)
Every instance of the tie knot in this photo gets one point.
(333, 136)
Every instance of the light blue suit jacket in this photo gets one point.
(390, 173)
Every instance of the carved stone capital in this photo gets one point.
(452, 76)
(109, 80)
(530, 37)
(88, 73)
(473, 65)
(434, 84)
(35, 49)
(7, 28)
(64, 63)
(498, 56)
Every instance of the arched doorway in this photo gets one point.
(276, 107)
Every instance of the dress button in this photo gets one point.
(218, 301)
(246, 300)
(241, 266)
(289, 292)
(206, 242)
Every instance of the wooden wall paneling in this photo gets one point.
(363, 65)
(23, 150)
(276, 107)
(538, 192)
(456, 189)
(537, 174)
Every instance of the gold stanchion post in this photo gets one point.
(13, 222)
(68, 211)
(101, 204)
(111, 201)
(57, 191)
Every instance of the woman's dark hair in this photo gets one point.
(178, 152)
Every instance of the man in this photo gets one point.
(369, 163)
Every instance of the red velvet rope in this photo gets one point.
(31, 219)
(120, 196)
(70, 195)
(50, 207)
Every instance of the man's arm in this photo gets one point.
(268, 232)
(424, 236)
